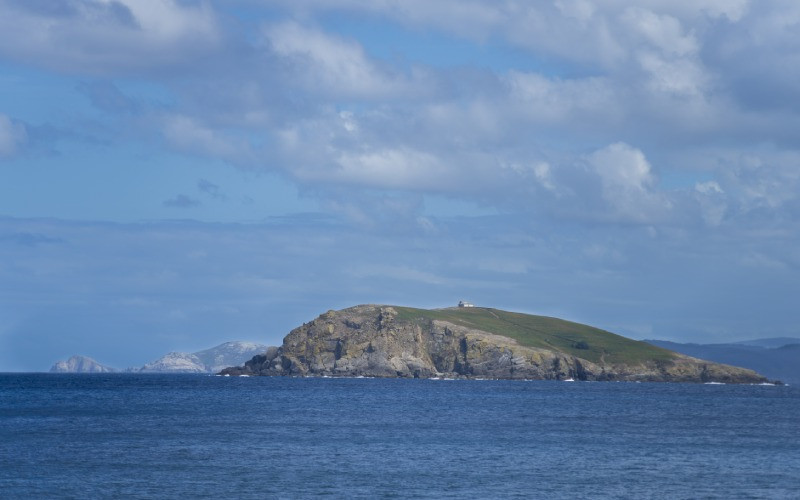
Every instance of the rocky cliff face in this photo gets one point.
(80, 364)
(372, 341)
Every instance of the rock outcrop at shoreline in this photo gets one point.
(390, 341)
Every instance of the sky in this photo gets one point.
(175, 174)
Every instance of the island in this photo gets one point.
(80, 364)
(474, 343)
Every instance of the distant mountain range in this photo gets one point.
(207, 361)
(776, 358)
(769, 343)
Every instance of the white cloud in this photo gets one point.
(713, 205)
(666, 51)
(597, 33)
(552, 100)
(627, 182)
(761, 261)
(168, 20)
(581, 10)
(601, 34)
(330, 64)
(621, 166)
(319, 109)
(559, 28)
(765, 179)
(603, 253)
(675, 76)
(709, 187)
(733, 10)
(12, 136)
(662, 31)
(542, 172)
(186, 134)
(392, 169)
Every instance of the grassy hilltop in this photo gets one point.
(543, 332)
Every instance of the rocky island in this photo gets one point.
(80, 364)
(474, 342)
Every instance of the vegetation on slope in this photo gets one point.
(583, 341)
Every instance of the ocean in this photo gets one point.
(194, 436)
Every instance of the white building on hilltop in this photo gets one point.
(461, 303)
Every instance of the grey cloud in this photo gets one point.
(108, 37)
(211, 189)
(762, 182)
(106, 96)
(29, 239)
(181, 201)
(758, 56)
(45, 7)
(13, 135)
(191, 136)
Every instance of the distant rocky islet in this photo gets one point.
(80, 364)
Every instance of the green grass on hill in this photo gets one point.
(576, 339)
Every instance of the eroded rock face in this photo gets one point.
(371, 341)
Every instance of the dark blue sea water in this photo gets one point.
(100, 436)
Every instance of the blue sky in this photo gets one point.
(176, 174)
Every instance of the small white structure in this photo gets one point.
(461, 303)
